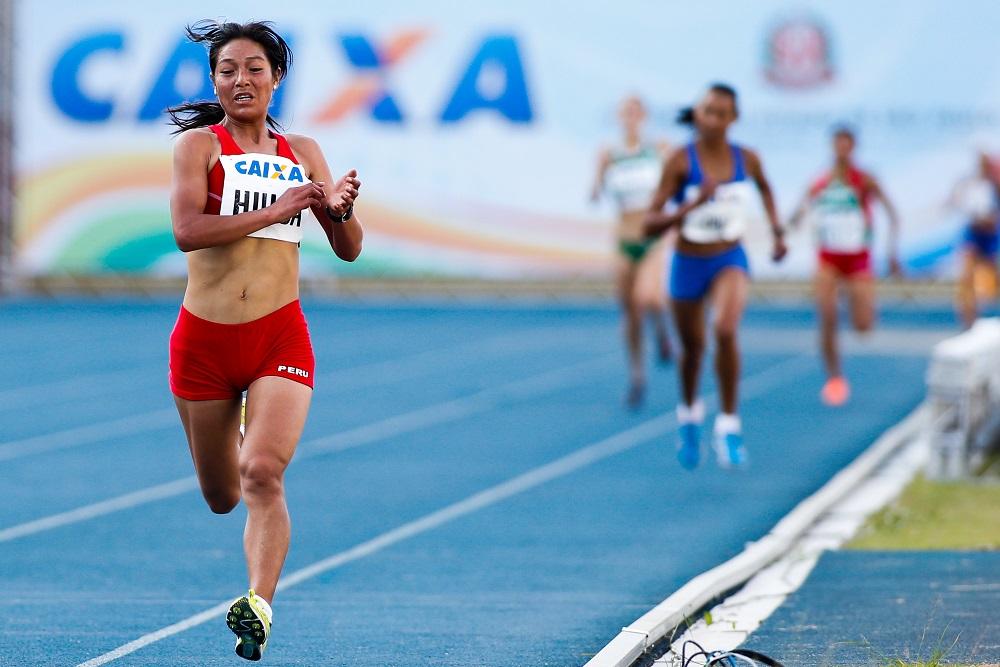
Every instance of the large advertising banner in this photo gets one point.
(475, 127)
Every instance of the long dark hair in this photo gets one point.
(215, 35)
(686, 115)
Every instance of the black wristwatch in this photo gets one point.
(340, 219)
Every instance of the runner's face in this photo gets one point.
(843, 146)
(632, 114)
(244, 81)
(714, 114)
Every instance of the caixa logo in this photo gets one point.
(272, 170)
(491, 80)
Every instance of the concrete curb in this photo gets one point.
(635, 639)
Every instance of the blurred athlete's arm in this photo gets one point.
(675, 171)
(193, 228)
(345, 237)
(756, 170)
(603, 162)
(895, 268)
(801, 210)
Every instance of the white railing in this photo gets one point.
(963, 393)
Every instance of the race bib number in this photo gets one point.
(255, 181)
(722, 218)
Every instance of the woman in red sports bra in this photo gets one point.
(240, 198)
(840, 202)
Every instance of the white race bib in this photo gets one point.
(840, 221)
(723, 217)
(254, 181)
(632, 181)
(844, 232)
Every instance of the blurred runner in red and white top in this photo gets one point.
(839, 204)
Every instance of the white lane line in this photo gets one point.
(122, 379)
(407, 422)
(581, 458)
(558, 468)
(477, 403)
(116, 504)
(84, 435)
(46, 392)
(375, 373)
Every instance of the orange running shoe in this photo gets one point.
(836, 391)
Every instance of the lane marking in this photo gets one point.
(407, 422)
(374, 373)
(102, 508)
(581, 458)
(85, 435)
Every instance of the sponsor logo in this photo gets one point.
(292, 370)
(798, 53)
(246, 624)
(492, 80)
(271, 170)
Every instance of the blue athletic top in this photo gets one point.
(696, 176)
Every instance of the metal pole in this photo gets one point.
(6, 146)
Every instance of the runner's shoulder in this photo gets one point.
(302, 143)
(196, 140)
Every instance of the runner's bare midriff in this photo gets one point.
(242, 281)
(630, 226)
(704, 249)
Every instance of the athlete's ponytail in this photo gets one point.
(685, 116)
(192, 115)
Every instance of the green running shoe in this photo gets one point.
(250, 620)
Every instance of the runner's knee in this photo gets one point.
(261, 474)
(221, 501)
(725, 333)
(864, 322)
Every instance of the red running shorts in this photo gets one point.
(852, 265)
(213, 361)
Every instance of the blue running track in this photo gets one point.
(469, 489)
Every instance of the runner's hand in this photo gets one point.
(706, 190)
(780, 249)
(297, 199)
(342, 194)
(895, 267)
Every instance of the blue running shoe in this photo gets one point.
(688, 446)
(729, 450)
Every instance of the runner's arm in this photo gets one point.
(756, 170)
(895, 267)
(675, 170)
(345, 237)
(603, 162)
(800, 211)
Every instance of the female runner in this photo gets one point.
(840, 201)
(710, 181)
(978, 199)
(240, 198)
(629, 173)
